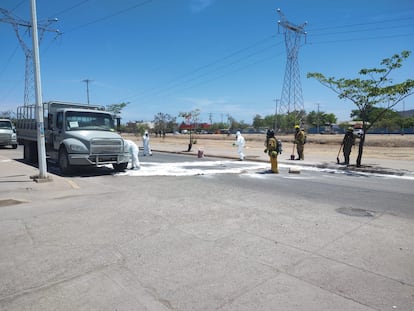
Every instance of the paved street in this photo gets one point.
(229, 237)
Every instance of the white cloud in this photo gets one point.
(199, 5)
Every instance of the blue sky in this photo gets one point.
(224, 57)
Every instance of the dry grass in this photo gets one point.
(392, 147)
(387, 141)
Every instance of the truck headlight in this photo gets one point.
(77, 148)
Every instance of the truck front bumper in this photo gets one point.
(97, 159)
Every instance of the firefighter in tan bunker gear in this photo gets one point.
(300, 141)
(273, 148)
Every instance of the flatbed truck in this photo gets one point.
(76, 135)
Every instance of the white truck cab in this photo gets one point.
(76, 135)
(7, 133)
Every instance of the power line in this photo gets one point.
(408, 26)
(18, 5)
(188, 78)
(362, 24)
(70, 8)
(209, 80)
(9, 60)
(365, 38)
(175, 83)
(17, 23)
(176, 80)
(109, 16)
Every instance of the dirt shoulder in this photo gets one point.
(391, 147)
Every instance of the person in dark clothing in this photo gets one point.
(347, 143)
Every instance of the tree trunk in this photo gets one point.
(190, 145)
(360, 150)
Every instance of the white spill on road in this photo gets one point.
(195, 168)
(246, 168)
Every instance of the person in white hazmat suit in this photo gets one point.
(133, 151)
(146, 144)
(240, 142)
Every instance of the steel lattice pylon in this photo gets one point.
(17, 22)
(291, 99)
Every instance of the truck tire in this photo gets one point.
(14, 146)
(120, 167)
(63, 161)
(30, 151)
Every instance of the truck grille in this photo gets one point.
(106, 146)
(5, 137)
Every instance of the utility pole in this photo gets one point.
(87, 81)
(276, 102)
(317, 120)
(403, 117)
(39, 102)
(32, 76)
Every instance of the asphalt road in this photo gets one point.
(230, 237)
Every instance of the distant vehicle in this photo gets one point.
(75, 135)
(7, 133)
(330, 129)
(358, 132)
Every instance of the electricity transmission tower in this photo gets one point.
(291, 99)
(18, 23)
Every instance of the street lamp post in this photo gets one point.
(38, 93)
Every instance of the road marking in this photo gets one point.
(72, 184)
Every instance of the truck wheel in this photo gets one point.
(64, 161)
(14, 146)
(120, 167)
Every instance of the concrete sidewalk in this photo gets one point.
(17, 182)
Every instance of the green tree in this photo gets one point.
(218, 126)
(258, 121)
(191, 118)
(8, 115)
(389, 119)
(330, 118)
(269, 121)
(320, 118)
(116, 108)
(372, 88)
(164, 122)
(407, 122)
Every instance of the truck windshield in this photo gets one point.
(5, 125)
(82, 120)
